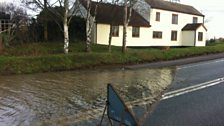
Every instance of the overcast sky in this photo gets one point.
(214, 14)
(212, 9)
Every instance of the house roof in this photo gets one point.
(193, 27)
(113, 14)
(170, 6)
(4, 16)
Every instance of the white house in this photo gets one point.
(153, 23)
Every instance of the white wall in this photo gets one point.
(103, 36)
(201, 43)
(142, 40)
(188, 38)
(146, 33)
(165, 25)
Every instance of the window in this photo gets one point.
(173, 35)
(200, 36)
(4, 25)
(174, 19)
(195, 20)
(115, 31)
(157, 16)
(135, 31)
(157, 34)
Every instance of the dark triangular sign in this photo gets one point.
(117, 110)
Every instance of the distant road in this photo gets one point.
(196, 97)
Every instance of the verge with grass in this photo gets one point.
(46, 57)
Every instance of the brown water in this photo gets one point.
(68, 98)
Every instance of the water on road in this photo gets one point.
(65, 98)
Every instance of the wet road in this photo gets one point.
(68, 98)
(203, 107)
(196, 73)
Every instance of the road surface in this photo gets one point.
(196, 97)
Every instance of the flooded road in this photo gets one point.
(68, 98)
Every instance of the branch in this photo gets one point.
(131, 4)
(74, 11)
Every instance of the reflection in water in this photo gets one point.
(68, 97)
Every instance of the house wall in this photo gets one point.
(188, 38)
(201, 43)
(103, 36)
(146, 33)
(165, 25)
(142, 40)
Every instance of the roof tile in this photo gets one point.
(109, 13)
(192, 27)
(170, 6)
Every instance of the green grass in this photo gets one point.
(45, 57)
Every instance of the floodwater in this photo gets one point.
(69, 98)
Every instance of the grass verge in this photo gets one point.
(46, 57)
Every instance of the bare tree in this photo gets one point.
(111, 25)
(16, 26)
(125, 24)
(69, 9)
(65, 25)
(88, 25)
(90, 20)
(36, 7)
(1, 45)
(45, 23)
(128, 6)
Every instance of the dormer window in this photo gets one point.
(195, 20)
(157, 16)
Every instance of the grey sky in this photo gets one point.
(212, 9)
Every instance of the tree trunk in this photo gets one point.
(45, 32)
(88, 28)
(125, 24)
(65, 24)
(124, 38)
(110, 38)
(45, 22)
(1, 44)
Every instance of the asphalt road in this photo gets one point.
(202, 107)
(192, 74)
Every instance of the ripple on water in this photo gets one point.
(69, 97)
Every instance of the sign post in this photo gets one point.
(117, 110)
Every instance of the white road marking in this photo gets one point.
(199, 64)
(192, 88)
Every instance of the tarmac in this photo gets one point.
(177, 62)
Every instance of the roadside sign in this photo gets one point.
(117, 110)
